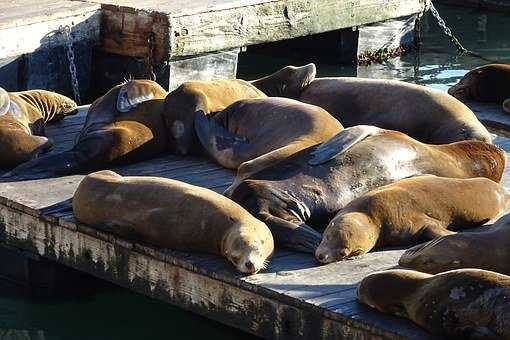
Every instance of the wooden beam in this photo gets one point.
(30, 25)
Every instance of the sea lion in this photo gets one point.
(310, 187)
(288, 82)
(425, 114)
(488, 249)
(488, 83)
(125, 125)
(411, 210)
(23, 116)
(506, 105)
(459, 304)
(175, 215)
(208, 97)
(264, 130)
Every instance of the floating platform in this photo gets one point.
(294, 298)
(178, 40)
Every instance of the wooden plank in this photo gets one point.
(184, 28)
(277, 20)
(38, 22)
(219, 296)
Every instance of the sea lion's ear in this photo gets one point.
(506, 105)
(342, 142)
(5, 102)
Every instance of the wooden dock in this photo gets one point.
(294, 298)
(178, 40)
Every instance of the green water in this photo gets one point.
(114, 313)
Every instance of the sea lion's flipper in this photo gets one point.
(89, 154)
(227, 148)
(340, 143)
(46, 166)
(506, 105)
(128, 99)
(287, 82)
(5, 102)
(432, 229)
(298, 237)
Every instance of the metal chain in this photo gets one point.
(446, 30)
(149, 60)
(461, 49)
(66, 31)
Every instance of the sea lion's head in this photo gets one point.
(506, 105)
(390, 291)
(181, 106)
(288, 82)
(466, 88)
(439, 255)
(486, 160)
(133, 92)
(347, 235)
(248, 246)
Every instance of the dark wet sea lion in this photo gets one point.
(123, 126)
(310, 187)
(425, 114)
(23, 116)
(488, 249)
(208, 97)
(264, 130)
(488, 83)
(287, 82)
(175, 215)
(411, 210)
(459, 304)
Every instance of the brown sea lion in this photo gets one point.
(264, 130)
(23, 116)
(411, 210)
(175, 215)
(288, 82)
(310, 187)
(433, 117)
(488, 249)
(125, 125)
(459, 304)
(488, 83)
(208, 97)
(425, 114)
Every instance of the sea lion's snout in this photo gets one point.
(459, 92)
(249, 247)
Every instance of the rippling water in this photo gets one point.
(114, 313)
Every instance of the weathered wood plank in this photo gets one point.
(37, 22)
(204, 26)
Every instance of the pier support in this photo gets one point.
(32, 48)
(26, 274)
